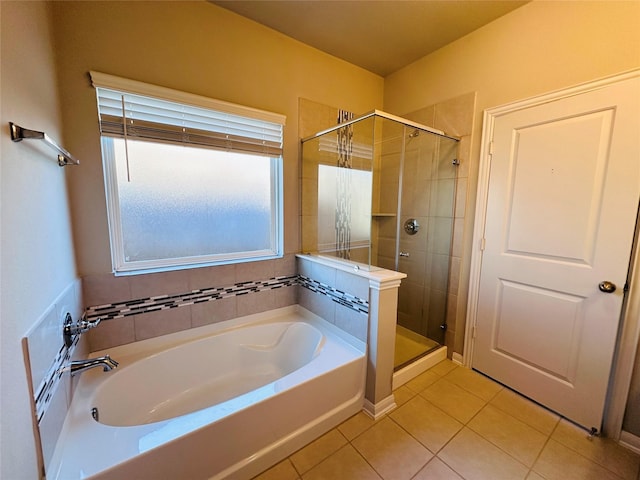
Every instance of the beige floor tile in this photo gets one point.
(474, 382)
(422, 381)
(403, 394)
(346, 463)
(318, 450)
(557, 462)
(355, 425)
(474, 458)
(392, 452)
(603, 451)
(436, 469)
(518, 439)
(526, 411)
(455, 401)
(443, 367)
(534, 476)
(427, 423)
(281, 471)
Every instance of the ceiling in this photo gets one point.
(381, 36)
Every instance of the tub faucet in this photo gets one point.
(79, 366)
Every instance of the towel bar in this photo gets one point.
(18, 134)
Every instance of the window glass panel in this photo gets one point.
(182, 201)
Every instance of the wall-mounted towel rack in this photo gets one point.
(18, 134)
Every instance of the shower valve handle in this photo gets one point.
(411, 226)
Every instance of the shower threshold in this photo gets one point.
(410, 346)
(433, 348)
(418, 366)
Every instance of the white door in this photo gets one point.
(562, 191)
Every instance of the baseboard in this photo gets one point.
(457, 358)
(630, 441)
(379, 409)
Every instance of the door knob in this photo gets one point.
(607, 287)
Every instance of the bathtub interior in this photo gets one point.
(322, 381)
(217, 369)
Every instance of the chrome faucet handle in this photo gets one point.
(69, 330)
(84, 325)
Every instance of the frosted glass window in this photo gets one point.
(178, 201)
(181, 205)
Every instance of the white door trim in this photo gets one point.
(630, 322)
(625, 354)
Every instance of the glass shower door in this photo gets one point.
(424, 239)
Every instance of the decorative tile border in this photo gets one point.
(49, 385)
(166, 302)
(338, 296)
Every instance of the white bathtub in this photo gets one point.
(222, 401)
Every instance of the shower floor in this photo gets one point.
(410, 345)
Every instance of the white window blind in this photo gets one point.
(134, 109)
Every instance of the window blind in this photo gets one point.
(126, 114)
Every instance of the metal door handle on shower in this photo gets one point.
(404, 254)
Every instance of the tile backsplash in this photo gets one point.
(138, 307)
(45, 355)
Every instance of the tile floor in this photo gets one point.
(451, 424)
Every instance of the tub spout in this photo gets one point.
(79, 366)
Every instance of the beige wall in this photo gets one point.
(37, 261)
(195, 47)
(540, 47)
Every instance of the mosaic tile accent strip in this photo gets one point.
(166, 302)
(51, 381)
(344, 188)
(338, 296)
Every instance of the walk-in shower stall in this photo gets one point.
(379, 191)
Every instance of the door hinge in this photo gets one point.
(491, 147)
(483, 242)
(473, 332)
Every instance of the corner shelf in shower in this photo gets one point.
(380, 214)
